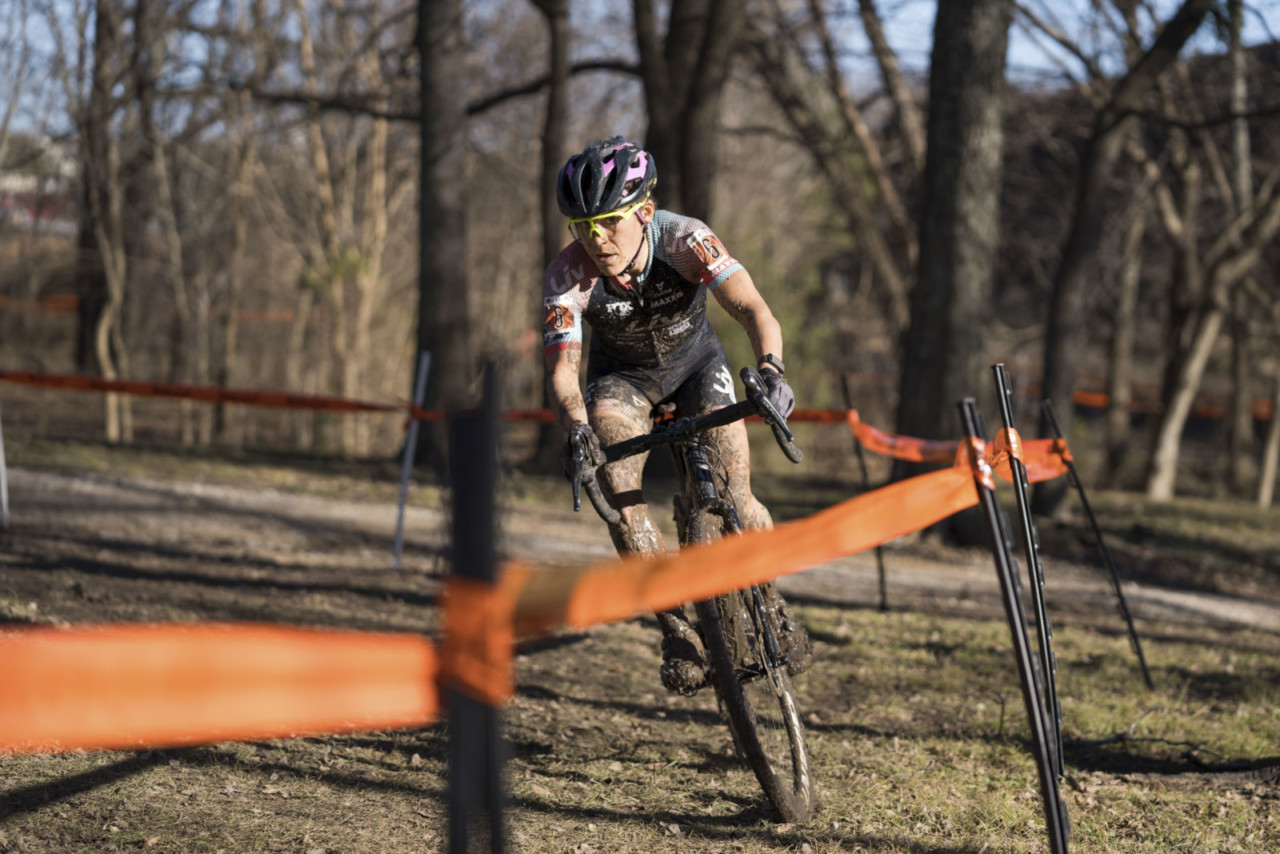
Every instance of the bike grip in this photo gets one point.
(607, 513)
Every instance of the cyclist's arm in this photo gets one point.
(563, 391)
(738, 295)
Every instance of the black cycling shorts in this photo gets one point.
(695, 381)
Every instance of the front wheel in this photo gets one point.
(756, 693)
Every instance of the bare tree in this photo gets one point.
(1097, 166)
(14, 65)
(1226, 263)
(846, 151)
(443, 318)
(555, 131)
(1271, 449)
(104, 242)
(959, 223)
(684, 76)
(1242, 396)
(1120, 376)
(251, 28)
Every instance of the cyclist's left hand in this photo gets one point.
(583, 435)
(780, 394)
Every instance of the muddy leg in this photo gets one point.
(734, 451)
(635, 532)
(684, 667)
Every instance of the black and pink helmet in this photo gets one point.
(606, 176)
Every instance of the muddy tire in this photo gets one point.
(761, 708)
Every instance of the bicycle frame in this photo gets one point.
(738, 633)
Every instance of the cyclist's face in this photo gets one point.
(612, 240)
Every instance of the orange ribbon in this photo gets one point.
(127, 686)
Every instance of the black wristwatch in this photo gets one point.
(773, 362)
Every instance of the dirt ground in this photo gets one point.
(133, 546)
(114, 547)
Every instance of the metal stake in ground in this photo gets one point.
(476, 749)
(1102, 547)
(866, 487)
(1055, 809)
(410, 449)
(1035, 572)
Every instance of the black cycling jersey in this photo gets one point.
(652, 338)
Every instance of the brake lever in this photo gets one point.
(759, 395)
(579, 459)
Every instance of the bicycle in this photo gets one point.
(741, 631)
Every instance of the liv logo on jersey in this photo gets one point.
(724, 382)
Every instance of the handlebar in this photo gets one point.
(684, 429)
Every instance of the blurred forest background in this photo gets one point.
(226, 192)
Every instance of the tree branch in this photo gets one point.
(1203, 124)
(358, 102)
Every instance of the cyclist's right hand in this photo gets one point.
(581, 454)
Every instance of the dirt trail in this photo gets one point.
(155, 525)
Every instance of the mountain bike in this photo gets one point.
(744, 631)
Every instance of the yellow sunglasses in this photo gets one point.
(584, 228)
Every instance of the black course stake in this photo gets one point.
(1055, 810)
(866, 487)
(476, 748)
(1044, 629)
(1102, 548)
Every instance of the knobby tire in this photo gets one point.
(762, 711)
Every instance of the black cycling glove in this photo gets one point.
(780, 394)
(583, 435)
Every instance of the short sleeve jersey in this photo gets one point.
(660, 318)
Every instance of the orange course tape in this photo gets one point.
(207, 394)
(479, 636)
(1044, 459)
(126, 686)
(901, 447)
(619, 590)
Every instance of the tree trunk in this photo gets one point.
(945, 359)
(369, 282)
(253, 30)
(102, 178)
(1256, 229)
(443, 319)
(1242, 395)
(1242, 444)
(1164, 461)
(683, 79)
(226, 427)
(1066, 307)
(1271, 456)
(148, 59)
(554, 152)
(1120, 378)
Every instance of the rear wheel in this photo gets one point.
(756, 693)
